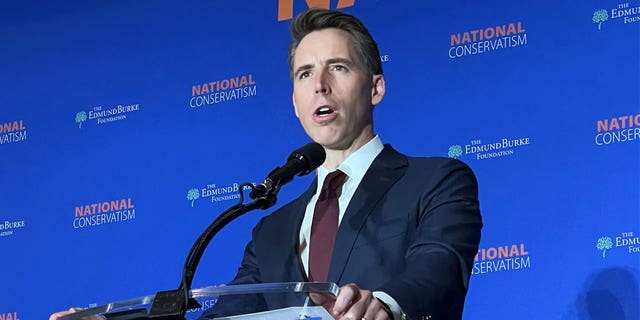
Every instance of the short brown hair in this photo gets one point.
(315, 19)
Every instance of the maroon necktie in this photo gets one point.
(324, 227)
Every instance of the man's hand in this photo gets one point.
(57, 315)
(353, 303)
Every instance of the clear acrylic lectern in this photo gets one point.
(264, 301)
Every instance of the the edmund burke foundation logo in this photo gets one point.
(104, 212)
(625, 12)
(13, 131)
(217, 193)
(503, 258)
(219, 91)
(455, 151)
(604, 244)
(488, 39)
(102, 115)
(626, 240)
(599, 17)
(7, 227)
(193, 195)
(498, 148)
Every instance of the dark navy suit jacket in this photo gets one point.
(411, 230)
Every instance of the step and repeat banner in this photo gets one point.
(126, 127)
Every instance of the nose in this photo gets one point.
(322, 85)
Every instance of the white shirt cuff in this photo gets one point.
(391, 302)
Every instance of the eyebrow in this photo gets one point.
(304, 67)
(310, 66)
(340, 60)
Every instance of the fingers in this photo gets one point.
(57, 315)
(354, 303)
(375, 311)
(349, 295)
(322, 299)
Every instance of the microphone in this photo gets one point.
(300, 162)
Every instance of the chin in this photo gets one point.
(333, 145)
(325, 140)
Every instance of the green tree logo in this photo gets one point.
(455, 151)
(192, 195)
(600, 16)
(604, 244)
(80, 118)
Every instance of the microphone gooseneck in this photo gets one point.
(300, 162)
(173, 304)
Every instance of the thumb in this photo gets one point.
(322, 299)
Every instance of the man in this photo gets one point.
(408, 228)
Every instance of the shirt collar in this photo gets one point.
(357, 164)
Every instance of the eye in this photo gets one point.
(338, 67)
(303, 74)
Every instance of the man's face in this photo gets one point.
(333, 94)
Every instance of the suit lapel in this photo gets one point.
(290, 231)
(385, 170)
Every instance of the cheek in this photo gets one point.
(298, 103)
(303, 105)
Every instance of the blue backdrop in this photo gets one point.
(125, 127)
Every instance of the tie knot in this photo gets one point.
(332, 182)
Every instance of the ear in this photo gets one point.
(378, 89)
(295, 106)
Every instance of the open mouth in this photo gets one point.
(323, 111)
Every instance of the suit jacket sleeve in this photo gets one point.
(439, 259)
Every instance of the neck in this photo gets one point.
(335, 157)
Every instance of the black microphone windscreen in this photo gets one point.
(312, 155)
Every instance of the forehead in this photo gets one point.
(322, 45)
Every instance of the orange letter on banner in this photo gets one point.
(345, 3)
(285, 7)
(603, 125)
